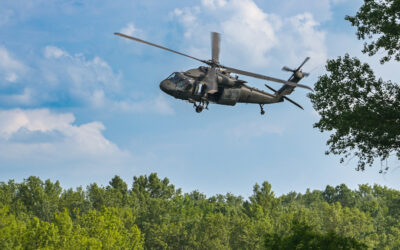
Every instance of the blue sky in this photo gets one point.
(81, 105)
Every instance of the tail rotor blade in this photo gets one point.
(304, 62)
(285, 68)
(215, 43)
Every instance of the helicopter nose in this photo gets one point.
(167, 86)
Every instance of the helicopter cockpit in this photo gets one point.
(181, 81)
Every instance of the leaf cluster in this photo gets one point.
(379, 20)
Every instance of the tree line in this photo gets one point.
(153, 214)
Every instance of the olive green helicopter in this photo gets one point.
(215, 84)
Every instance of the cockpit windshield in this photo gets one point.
(181, 81)
(173, 76)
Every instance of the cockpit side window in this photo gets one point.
(172, 76)
(181, 83)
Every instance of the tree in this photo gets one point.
(38, 197)
(379, 20)
(362, 111)
(303, 236)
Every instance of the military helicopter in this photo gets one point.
(215, 84)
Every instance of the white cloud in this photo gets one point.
(61, 77)
(214, 3)
(300, 37)
(10, 68)
(250, 35)
(95, 83)
(54, 52)
(252, 30)
(188, 18)
(129, 29)
(73, 142)
(49, 144)
(82, 80)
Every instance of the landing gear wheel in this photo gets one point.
(199, 109)
(262, 109)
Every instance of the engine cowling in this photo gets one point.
(229, 96)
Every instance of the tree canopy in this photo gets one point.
(363, 111)
(379, 21)
(153, 214)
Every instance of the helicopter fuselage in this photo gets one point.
(190, 85)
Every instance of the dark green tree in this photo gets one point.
(39, 198)
(379, 21)
(303, 236)
(362, 111)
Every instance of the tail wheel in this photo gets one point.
(262, 109)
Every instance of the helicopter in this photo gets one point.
(215, 83)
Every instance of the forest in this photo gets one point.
(153, 214)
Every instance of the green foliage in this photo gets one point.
(362, 111)
(379, 20)
(303, 236)
(154, 215)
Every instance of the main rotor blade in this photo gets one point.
(215, 42)
(157, 46)
(212, 86)
(304, 62)
(284, 97)
(246, 73)
(270, 88)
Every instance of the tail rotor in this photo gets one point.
(298, 72)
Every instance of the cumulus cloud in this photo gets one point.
(46, 143)
(43, 136)
(58, 76)
(301, 37)
(214, 3)
(10, 68)
(93, 82)
(82, 79)
(252, 36)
